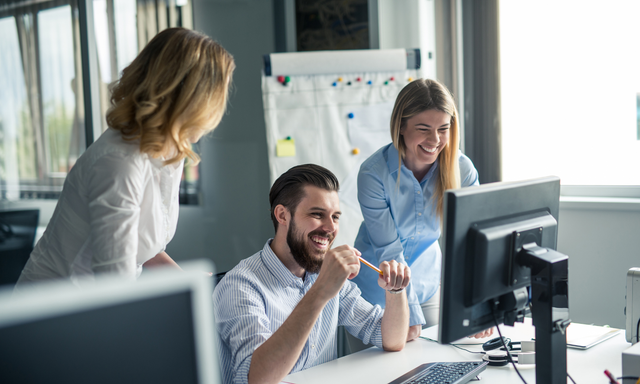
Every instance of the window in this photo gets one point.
(570, 85)
(42, 124)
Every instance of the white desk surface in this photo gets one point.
(374, 365)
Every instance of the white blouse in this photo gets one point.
(118, 209)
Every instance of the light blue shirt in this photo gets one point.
(401, 223)
(253, 300)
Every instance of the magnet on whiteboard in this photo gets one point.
(355, 151)
(350, 115)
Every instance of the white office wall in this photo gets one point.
(602, 241)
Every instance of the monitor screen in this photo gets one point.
(157, 330)
(484, 229)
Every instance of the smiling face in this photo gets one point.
(313, 227)
(425, 135)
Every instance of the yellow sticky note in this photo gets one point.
(286, 148)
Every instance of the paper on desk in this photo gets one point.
(583, 336)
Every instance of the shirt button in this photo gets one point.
(418, 192)
(313, 346)
(418, 233)
(411, 237)
(419, 214)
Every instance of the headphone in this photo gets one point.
(525, 355)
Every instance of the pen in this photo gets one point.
(368, 264)
(612, 378)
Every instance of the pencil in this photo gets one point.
(368, 264)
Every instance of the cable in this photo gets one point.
(456, 345)
(638, 331)
(571, 378)
(466, 350)
(505, 347)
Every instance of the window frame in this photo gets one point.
(156, 15)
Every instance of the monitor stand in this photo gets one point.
(549, 309)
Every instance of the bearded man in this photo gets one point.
(277, 311)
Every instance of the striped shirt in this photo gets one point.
(253, 300)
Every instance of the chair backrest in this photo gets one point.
(17, 234)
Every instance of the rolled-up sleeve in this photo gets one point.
(115, 192)
(361, 318)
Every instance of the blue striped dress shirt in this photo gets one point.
(253, 300)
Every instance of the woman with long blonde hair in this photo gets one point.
(119, 205)
(400, 190)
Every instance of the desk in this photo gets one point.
(373, 365)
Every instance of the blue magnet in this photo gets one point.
(350, 115)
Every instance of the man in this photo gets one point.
(277, 311)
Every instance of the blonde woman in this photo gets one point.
(400, 190)
(119, 205)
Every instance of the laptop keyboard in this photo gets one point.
(442, 373)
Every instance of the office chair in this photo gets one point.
(17, 235)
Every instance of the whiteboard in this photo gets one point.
(328, 116)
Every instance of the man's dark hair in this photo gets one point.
(288, 189)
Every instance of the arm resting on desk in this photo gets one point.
(395, 321)
(275, 358)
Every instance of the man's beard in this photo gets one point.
(302, 252)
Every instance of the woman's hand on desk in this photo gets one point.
(414, 332)
(483, 334)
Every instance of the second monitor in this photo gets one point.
(499, 257)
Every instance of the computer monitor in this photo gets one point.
(499, 242)
(17, 234)
(159, 329)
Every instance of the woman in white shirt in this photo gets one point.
(119, 205)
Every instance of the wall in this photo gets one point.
(233, 222)
(602, 241)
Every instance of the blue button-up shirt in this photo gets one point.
(401, 223)
(253, 300)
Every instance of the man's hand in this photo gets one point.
(339, 264)
(395, 276)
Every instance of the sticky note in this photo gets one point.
(286, 148)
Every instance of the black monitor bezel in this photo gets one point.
(464, 209)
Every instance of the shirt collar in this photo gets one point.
(392, 163)
(277, 269)
(157, 162)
